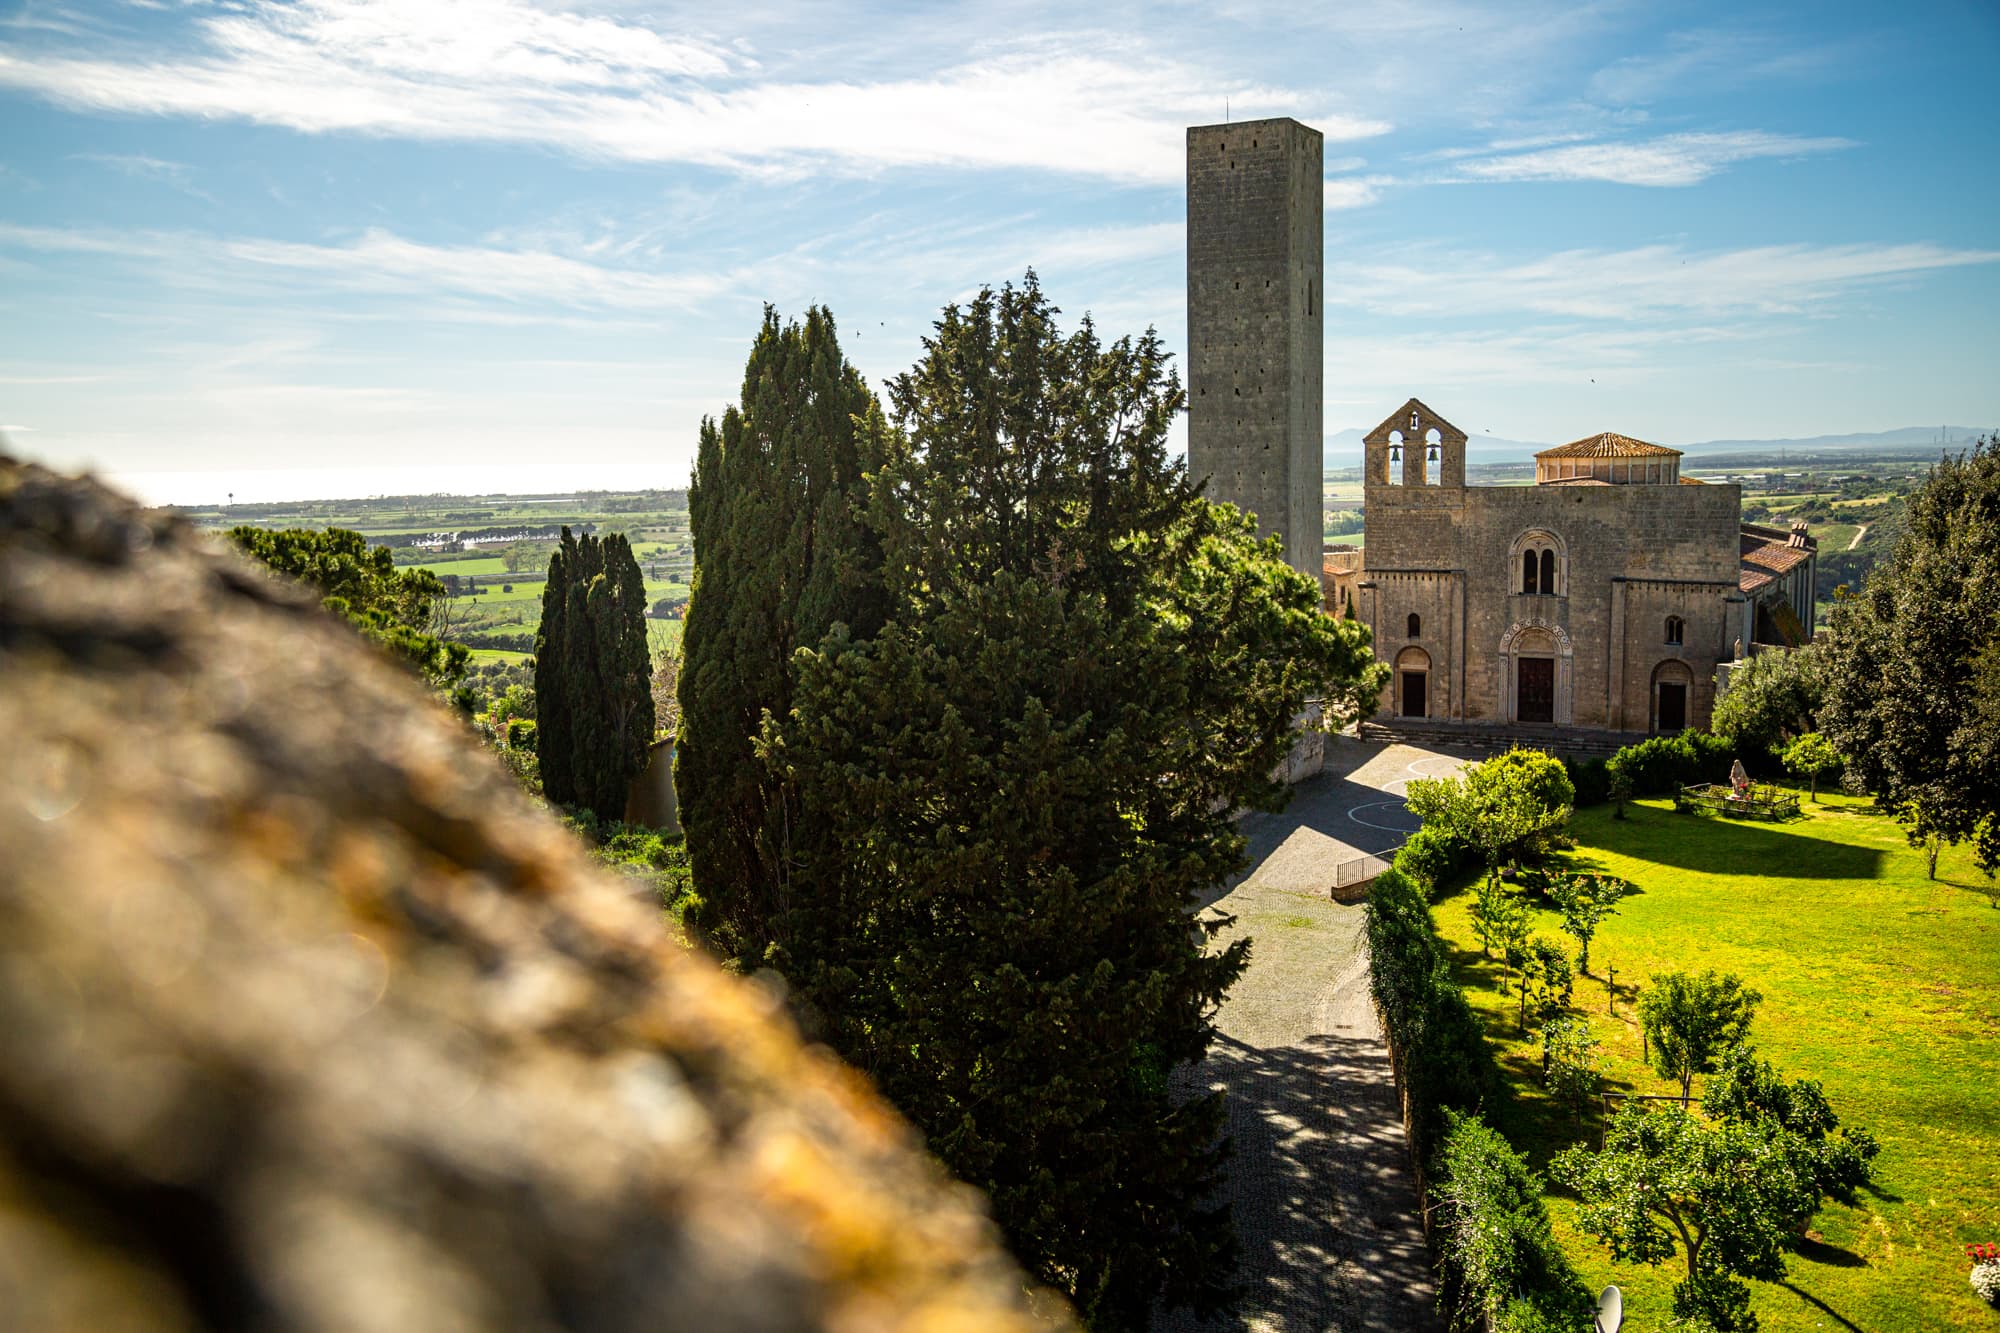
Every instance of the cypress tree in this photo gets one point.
(782, 554)
(592, 677)
(553, 734)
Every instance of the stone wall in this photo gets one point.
(1255, 320)
(315, 1022)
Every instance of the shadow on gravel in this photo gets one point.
(1320, 1189)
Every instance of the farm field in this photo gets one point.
(1877, 982)
(494, 600)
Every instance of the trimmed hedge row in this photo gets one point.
(1434, 1038)
(1497, 1257)
(1500, 1258)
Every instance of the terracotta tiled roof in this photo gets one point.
(1609, 445)
(1577, 481)
(1749, 580)
(1777, 557)
(1691, 481)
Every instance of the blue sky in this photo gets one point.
(471, 236)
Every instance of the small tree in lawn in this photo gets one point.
(1690, 1021)
(1499, 917)
(1749, 1091)
(1809, 756)
(1585, 901)
(1546, 982)
(1726, 1195)
(1569, 1063)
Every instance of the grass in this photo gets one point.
(1877, 982)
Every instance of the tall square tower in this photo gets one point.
(1255, 243)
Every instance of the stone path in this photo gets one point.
(1324, 1200)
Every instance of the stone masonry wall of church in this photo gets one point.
(1673, 547)
(1255, 322)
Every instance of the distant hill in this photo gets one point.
(1343, 448)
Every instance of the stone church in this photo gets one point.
(1601, 599)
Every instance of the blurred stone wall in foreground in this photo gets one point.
(310, 1020)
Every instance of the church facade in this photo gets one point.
(1601, 599)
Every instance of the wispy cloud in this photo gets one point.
(503, 70)
(138, 166)
(1625, 285)
(531, 282)
(1674, 159)
(1695, 59)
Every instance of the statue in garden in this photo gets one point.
(1739, 781)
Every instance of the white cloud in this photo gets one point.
(1674, 159)
(502, 70)
(1623, 285)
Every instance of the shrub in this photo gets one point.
(1986, 1281)
(520, 733)
(1429, 857)
(1569, 1063)
(1500, 1259)
(1592, 780)
(1654, 767)
(1661, 765)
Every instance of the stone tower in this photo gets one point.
(1255, 295)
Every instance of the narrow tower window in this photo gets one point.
(1549, 572)
(1676, 630)
(1416, 625)
(1528, 568)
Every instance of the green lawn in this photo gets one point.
(1877, 982)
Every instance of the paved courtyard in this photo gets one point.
(1324, 1199)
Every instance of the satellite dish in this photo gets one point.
(1610, 1310)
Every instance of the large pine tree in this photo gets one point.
(782, 554)
(1011, 796)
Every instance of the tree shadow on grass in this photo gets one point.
(1819, 1252)
(1822, 1307)
(1732, 847)
(1320, 1188)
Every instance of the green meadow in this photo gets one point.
(1879, 983)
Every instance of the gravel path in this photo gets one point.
(1324, 1200)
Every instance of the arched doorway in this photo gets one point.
(1671, 682)
(1413, 671)
(1535, 673)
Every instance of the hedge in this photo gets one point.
(1662, 765)
(1440, 1056)
(1500, 1260)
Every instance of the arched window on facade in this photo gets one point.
(1542, 558)
(1676, 630)
(1416, 626)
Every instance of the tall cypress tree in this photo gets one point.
(592, 677)
(1012, 795)
(553, 732)
(782, 554)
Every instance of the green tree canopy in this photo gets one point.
(1727, 1195)
(1508, 807)
(1774, 695)
(1810, 756)
(1689, 1021)
(400, 609)
(1913, 685)
(1011, 792)
(783, 553)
